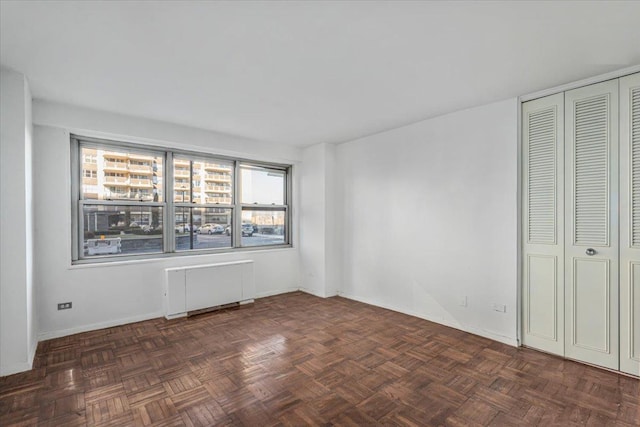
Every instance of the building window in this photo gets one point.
(214, 204)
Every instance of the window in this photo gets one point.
(263, 204)
(214, 203)
(204, 216)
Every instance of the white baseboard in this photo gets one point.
(32, 351)
(312, 292)
(42, 336)
(16, 368)
(512, 341)
(276, 292)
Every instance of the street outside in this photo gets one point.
(137, 244)
(205, 241)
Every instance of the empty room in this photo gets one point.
(292, 213)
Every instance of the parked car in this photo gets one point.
(211, 229)
(183, 228)
(247, 230)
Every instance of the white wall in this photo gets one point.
(429, 216)
(333, 223)
(17, 314)
(109, 294)
(320, 251)
(312, 220)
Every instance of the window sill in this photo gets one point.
(141, 259)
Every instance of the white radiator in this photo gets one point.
(198, 287)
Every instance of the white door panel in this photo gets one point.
(591, 290)
(630, 224)
(591, 224)
(541, 296)
(543, 216)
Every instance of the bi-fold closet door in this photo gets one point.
(630, 224)
(581, 216)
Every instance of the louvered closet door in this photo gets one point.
(630, 224)
(591, 225)
(543, 215)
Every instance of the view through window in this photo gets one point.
(122, 207)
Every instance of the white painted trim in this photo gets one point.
(172, 256)
(218, 264)
(42, 336)
(276, 292)
(465, 328)
(15, 368)
(175, 316)
(32, 352)
(580, 83)
(519, 238)
(312, 292)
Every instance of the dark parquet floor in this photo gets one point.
(295, 360)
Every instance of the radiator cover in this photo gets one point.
(202, 286)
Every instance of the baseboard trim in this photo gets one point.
(32, 352)
(15, 368)
(276, 292)
(512, 341)
(312, 292)
(42, 336)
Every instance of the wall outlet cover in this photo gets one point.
(500, 308)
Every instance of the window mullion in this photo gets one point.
(169, 216)
(236, 235)
(76, 166)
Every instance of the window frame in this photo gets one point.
(192, 205)
(285, 207)
(168, 204)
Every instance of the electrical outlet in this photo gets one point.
(463, 301)
(501, 308)
(64, 306)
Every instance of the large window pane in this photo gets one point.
(262, 185)
(203, 228)
(263, 227)
(203, 182)
(120, 175)
(112, 230)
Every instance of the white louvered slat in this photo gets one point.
(591, 171)
(542, 176)
(635, 167)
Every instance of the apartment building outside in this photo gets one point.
(113, 175)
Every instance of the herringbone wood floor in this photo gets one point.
(295, 359)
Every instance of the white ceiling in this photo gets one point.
(307, 72)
